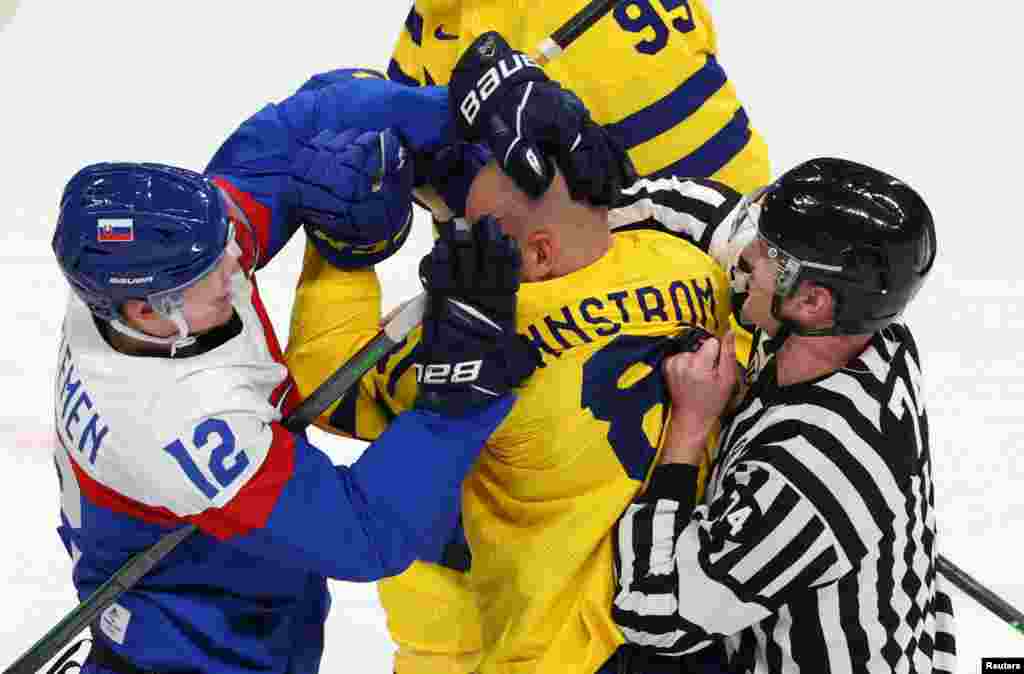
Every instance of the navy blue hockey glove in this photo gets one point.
(354, 195)
(501, 97)
(470, 353)
(451, 170)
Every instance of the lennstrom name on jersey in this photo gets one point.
(681, 301)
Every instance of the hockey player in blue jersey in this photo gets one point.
(170, 385)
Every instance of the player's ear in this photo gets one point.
(135, 309)
(539, 255)
(137, 313)
(815, 304)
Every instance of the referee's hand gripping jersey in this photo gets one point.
(814, 548)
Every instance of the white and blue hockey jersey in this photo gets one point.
(148, 444)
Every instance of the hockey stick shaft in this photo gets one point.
(396, 329)
(393, 332)
(981, 594)
(552, 47)
(86, 612)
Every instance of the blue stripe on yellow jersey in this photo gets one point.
(662, 115)
(648, 71)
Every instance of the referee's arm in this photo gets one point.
(686, 575)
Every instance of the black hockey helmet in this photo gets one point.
(862, 233)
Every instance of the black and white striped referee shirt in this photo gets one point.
(815, 549)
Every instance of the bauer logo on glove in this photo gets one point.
(490, 80)
(530, 123)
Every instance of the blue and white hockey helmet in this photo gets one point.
(139, 231)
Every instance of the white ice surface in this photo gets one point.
(927, 91)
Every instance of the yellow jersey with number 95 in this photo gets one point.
(648, 71)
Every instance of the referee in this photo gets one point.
(815, 548)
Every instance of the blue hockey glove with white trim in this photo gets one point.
(470, 353)
(354, 195)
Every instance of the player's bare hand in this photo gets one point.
(701, 385)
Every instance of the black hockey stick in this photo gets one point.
(551, 48)
(393, 332)
(981, 594)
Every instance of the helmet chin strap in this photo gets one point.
(179, 341)
(183, 339)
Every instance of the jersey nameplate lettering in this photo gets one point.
(78, 422)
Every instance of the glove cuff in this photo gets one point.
(522, 357)
(355, 255)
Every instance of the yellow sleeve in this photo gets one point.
(433, 618)
(336, 312)
(432, 615)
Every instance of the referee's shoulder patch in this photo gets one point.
(736, 515)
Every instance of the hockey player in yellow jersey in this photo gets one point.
(648, 72)
(602, 292)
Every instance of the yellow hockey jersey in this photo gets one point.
(648, 71)
(541, 504)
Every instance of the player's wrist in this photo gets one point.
(686, 440)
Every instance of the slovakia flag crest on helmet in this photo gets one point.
(115, 229)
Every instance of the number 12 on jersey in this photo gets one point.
(224, 464)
